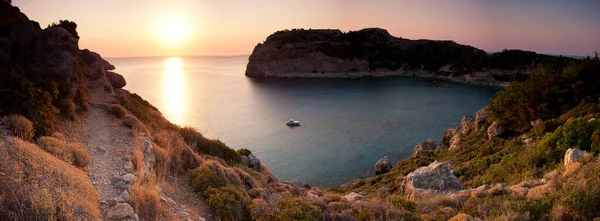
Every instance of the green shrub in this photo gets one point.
(244, 152)
(401, 202)
(18, 126)
(211, 147)
(117, 110)
(297, 208)
(228, 203)
(203, 178)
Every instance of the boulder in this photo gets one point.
(437, 177)
(426, 146)
(481, 117)
(120, 211)
(128, 178)
(450, 133)
(354, 197)
(116, 80)
(495, 130)
(572, 156)
(148, 158)
(252, 162)
(467, 123)
(382, 166)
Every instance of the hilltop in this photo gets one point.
(74, 145)
(316, 53)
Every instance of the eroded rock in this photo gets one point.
(572, 156)
(120, 211)
(354, 197)
(382, 166)
(467, 123)
(495, 130)
(116, 80)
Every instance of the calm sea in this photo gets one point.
(347, 125)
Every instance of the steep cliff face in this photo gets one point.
(374, 52)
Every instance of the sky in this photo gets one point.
(116, 28)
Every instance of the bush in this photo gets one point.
(297, 208)
(117, 110)
(18, 126)
(181, 157)
(203, 178)
(244, 152)
(136, 125)
(228, 203)
(57, 148)
(73, 153)
(146, 202)
(203, 145)
(81, 157)
(37, 186)
(70, 26)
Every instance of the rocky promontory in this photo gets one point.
(373, 52)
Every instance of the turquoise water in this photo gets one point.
(347, 125)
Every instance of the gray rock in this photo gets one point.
(122, 185)
(437, 177)
(457, 139)
(149, 158)
(120, 211)
(450, 133)
(116, 80)
(572, 156)
(481, 117)
(354, 197)
(128, 178)
(495, 130)
(124, 195)
(252, 162)
(467, 123)
(426, 146)
(128, 167)
(382, 166)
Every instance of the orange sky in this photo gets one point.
(233, 27)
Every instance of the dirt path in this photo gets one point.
(111, 146)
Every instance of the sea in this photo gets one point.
(346, 124)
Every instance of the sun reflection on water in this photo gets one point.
(174, 90)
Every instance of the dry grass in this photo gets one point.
(81, 157)
(35, 185)
(181, 157)
(73, 153)
(117, 110)
(146, 201)
(136, 125)
(18, 126)
(511, 216)
(162, 162)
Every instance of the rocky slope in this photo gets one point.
(374, 52)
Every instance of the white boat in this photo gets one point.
(292, 123)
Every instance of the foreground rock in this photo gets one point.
(436, 178)
(382, 166)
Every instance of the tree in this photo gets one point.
(70, 26)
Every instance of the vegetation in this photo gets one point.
(73, 153)
(70, 26)
(117, 110)
(18, 126)
(37, 186)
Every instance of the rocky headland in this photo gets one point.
(373, 52)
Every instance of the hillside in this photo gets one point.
(374, 52)
(74, 145)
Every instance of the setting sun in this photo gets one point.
(173, 30)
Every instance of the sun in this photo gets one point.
(173, 30)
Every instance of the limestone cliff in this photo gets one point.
(374, 52)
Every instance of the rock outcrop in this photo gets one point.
(438, 177)
(116, 80)
(466, 124)
(428, 145)
(383, 166)
(495, 130)
(374, 52)
(450, 133)
(252, 162)
(354, 197)
(481, 118)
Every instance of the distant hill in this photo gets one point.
(374, 52)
